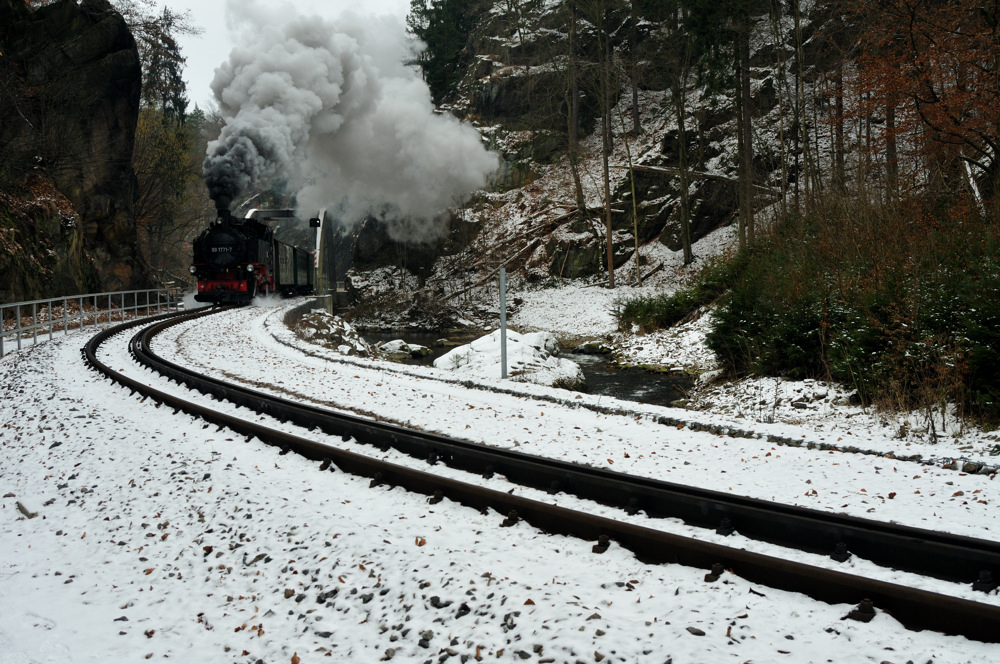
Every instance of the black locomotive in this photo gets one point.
(236, 258)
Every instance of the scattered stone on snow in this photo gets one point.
(332, 332)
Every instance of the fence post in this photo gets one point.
(165, 297)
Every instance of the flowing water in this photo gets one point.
(603, 376)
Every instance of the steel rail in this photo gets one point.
(930, 553)
(914, 608)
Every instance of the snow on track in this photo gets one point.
(866, 486)
(160, 537)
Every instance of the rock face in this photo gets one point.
(71, 82)
(374, 248)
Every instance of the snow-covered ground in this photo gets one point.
(531, 357)
(160, 537)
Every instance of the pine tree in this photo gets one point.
(163, 84)
(444, 27)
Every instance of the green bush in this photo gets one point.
(903, 305)
(655, 312)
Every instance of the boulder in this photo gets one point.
(398, 350)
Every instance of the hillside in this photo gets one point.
(853, 173)
(530, 220)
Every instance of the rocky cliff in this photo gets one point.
(514, 87)
(70, 80)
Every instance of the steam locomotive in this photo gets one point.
(236, 258)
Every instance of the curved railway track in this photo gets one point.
(929, 553)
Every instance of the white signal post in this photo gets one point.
(316, 254)
(503, 323)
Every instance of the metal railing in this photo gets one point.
(24, 321)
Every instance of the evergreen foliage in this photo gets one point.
(655, 312)
(163, 84)
(444, 27)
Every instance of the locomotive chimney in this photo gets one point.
(224, 215)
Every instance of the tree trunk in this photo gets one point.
(805, 172)
(780, 89)
(606, 147)
(744, 117)
(634, 48)
(573, 107)
(680, 102)
(840, 177)
(605, 156)
(679, 94)
(891, 156)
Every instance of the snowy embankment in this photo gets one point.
(158, 536)
(529, 358)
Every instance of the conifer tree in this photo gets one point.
(443, 26)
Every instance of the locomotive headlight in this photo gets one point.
(192, 269)
(249, 268)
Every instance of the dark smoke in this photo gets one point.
(226, 170)
(329, 107)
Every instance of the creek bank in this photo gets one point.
(601, 374)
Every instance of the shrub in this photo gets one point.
(900, 302)
(655, 312)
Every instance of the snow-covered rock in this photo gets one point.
(398, 349)
(530, 358)
(333, 332)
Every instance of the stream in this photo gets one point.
(603, 376)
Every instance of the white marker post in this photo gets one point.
(503, 323)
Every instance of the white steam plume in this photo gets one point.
(330, 107)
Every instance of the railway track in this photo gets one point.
(925, 552)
